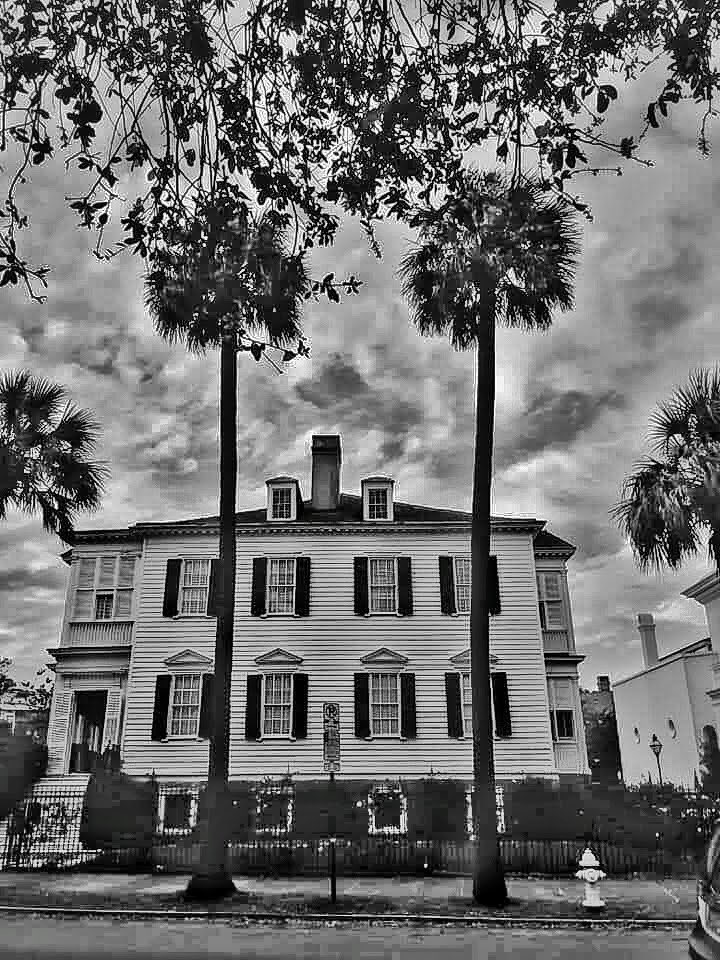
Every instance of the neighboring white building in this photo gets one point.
(668, 699)
(360, 600)
(707, 593)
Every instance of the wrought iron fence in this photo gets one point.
(43, 833)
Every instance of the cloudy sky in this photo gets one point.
(572, 405)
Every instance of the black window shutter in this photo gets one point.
(161, 707)
(408, 713)
(302, 586)
(259, 577)
(300, 706)
(252, 707)
(172, 588)
(501, 703)
(361, 586)
(362, 705)
(214, 590)
(493, 586)
(447, 585)
(454, 706)
(405, 596)
(206, 707)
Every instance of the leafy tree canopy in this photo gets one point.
(321, 106)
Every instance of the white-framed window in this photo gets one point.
(499, 808)
(377, 499)
(194, 586)
(277, 704)
(562, 708)
(185, 693)
(281, 585)
(382, 584)
(384, 704)
(104, 588)
(274, 809)
(550, 599)
(462, 584)
(466, 704)
(281, 503)
(177, 810)
(387, 811)
(377, 503)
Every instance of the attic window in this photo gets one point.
(281, 500)
(377, 504)
(282, 503)
(377, 499)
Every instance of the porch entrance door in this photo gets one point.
(86, 746)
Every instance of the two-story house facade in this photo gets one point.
(357, 600)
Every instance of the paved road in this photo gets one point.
(25, 937)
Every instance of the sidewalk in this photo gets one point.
(549, 899)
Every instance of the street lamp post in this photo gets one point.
(656, 747)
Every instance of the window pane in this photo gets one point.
(554, 614)
(126, 575)
(281, 588)
(83, 605)
(123, 604)
(384, 704)
(185, 705)
(86, 573)
(282, 504)
(177, 811)
(274, 811)
(382, 585)
(278, 704)
(564, 723)
(551, 583)
(467, 704)
(104, 606)
(377, 504)
(194, 600)
(462, 584)
(107, 573)
(195, 573)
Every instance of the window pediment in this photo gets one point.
(384, 657)
(278, 657)
(188, 658)
(463, 659)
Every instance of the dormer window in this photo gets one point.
(282, 499)
(377, 497)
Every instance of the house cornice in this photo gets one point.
(572, 658)
(84, 651)
(704, 590)
(209, 528)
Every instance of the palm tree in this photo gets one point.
(238, 282)
(493, 253)
(45, 444)
(670, 499)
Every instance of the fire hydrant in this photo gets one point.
(590, 872)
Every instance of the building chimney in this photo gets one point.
(326, 461)
(646, 626)
(603, 684)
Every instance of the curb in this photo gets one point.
(550, 923)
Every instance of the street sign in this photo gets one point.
(331, 737)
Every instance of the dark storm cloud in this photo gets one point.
(341, 388)
(553, 418)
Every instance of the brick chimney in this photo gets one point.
(603, 684)
(326, 461)
(646, 626)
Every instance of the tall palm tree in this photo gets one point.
(238, 283)
(45, 443)
(672, 498)
(493, 253)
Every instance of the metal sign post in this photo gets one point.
(331, 763)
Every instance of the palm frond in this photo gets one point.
(691, 415)
(77, 428)
(656, 515)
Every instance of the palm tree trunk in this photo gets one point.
(488, 881)
(212, 878)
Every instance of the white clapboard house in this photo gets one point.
(354, 599)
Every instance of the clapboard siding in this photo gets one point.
(331, 642)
